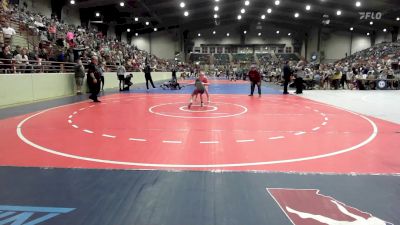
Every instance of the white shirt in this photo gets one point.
(8, 32)
(22, 59)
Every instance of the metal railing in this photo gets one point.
(12, 66)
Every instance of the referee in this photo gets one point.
(93, 79)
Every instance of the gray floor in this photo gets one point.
(379, 104)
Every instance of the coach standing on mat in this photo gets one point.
(287, 73)
(93, 79)
(147, 75)
(255, 79)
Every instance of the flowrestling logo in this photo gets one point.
(370, 15)
(27, 215)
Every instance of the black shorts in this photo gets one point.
(121, 77)
(197, 91)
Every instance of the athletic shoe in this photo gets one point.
(190, 105)
(201, 104)
(96, 101)
(250, 95)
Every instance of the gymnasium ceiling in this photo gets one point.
(167, 14)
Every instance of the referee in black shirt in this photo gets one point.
(93, 79)
(287, 73)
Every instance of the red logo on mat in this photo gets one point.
(308, 207)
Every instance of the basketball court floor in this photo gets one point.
(144, 158)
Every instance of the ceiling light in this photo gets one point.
(398, 18)
(122, 4)
(259, 34)
(182, 5)
(308, 7)
(216, 8)
(214, 32)
(239, 17)
(277, 2)
(263, 17)
(136, 34)
(97, 14)
(246, 3)
(296, 15)
(147, 23)
(358, 4)
(289, 34)
(351, 28)
(384, 30)
(199, 34)
(128, 30)
(339, 12)
(242, 11)
(186, 13)
(277, 32)
(227, 34)
(155, 29)
(245, 32)
(136, 19)
(72, 2)
(216, 0)
(215, 16)
(368, 34)
(269, 10)
(371, 23)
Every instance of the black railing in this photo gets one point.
(12, 66)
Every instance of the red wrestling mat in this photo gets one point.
(139, 131)
(211, 81)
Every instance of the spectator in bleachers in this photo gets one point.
(22, 61)
(52, 30)
(8, 32)
(6, 62)
(17, 50)
(336, 78)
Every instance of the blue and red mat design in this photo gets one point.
(233, 132)
(213, 151)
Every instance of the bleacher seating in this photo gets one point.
(264, 57)
(243, 58)
(287, 57)
(202, 59)
(382, 50)
(221, 59)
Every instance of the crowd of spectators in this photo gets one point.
(361, 70)
(65, 43)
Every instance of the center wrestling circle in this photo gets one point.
(213, 110)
